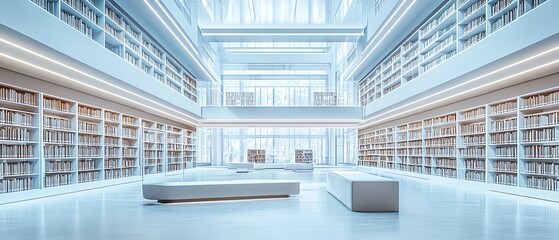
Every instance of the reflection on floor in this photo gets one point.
(427, 211)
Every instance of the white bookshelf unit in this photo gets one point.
(256, 156)
(52, 145)
(174, 149)
(105, 23)
(20, 168)
(304, 156)
(456, 26)
(240, 99)
(189, 149)
(512, 142)
(325, 98)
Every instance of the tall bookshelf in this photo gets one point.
(153, 139)
(174, 149)
(454, 27)
(90, 144)
(511, 142)
(130, 148)
(472, 143)
(189, 149)
(105, 23)
(113, 145)
(19, 140)
(60, 127)
(256, 156)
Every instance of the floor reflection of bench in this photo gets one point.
(363, 192)
(168, 192)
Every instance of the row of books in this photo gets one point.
(474, 164)
(472, 128)
(472, 152)
(55, 180)
(436, 142)
(435, 22)
(504, 124)
(506, 166)
(538, 151)
(86, 164)
(474, 113)
(17, 96)
(474, 7)
(439, 120)
(88, 127)
(89, 139)
(551, 184)
(473, 140)
(14, 134)
(52, 122)
(540, 100)
(111, 141)
(112, 173)
(129, 132)
(77, 23)
(504, 20)
(504, 137)
(500, 5)
(440, 132)
(83, 9)
(50, 151)
(89, 151)
(439, 60)
(88, 176)
(474, 23)
(58, 166)
(15, 184)
(475, 176)
(507, 151)
(543, 119)
(153, 154)
(545, 168)
(474, 39)
(111, 131)
(16, 151)
(539, 135)
(504, 107)
(15, 118)
(89, 112)
(112, 152)
(16, 169)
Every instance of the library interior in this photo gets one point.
(278, 119)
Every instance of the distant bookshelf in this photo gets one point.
(240, 99)
(325, 98)
(304, 156)
(256, 156)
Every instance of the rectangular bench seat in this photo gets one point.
(219, 190)
(362, 192)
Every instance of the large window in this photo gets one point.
(331, 146)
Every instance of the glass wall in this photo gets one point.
(331, 146)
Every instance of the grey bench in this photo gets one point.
(168, 192)
(362, 192)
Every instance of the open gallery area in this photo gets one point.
(268, 119)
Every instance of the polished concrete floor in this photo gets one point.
(427, 211)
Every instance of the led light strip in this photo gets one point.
(466, 91)
(282, 34)
(93, 77)
(383, 37)
(209, 73)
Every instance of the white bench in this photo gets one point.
(168, 192)
(362, 192)
(240, 167)
(299, 166)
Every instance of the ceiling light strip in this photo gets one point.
(212, 75)
(380, 41)
(93, 77)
